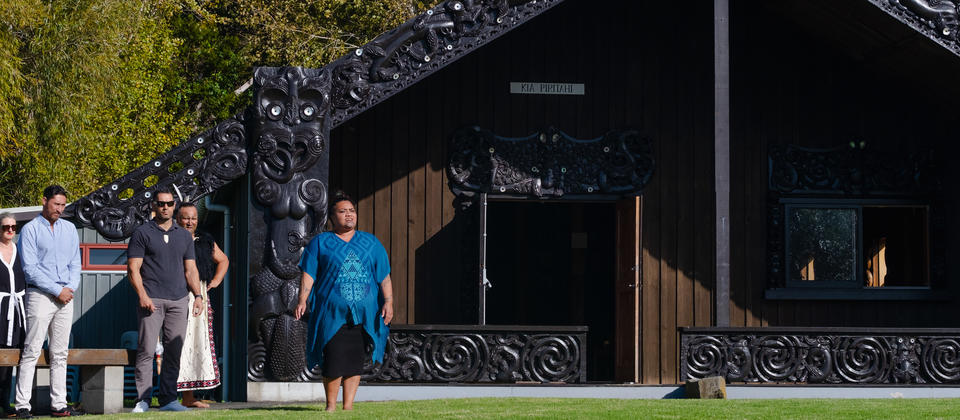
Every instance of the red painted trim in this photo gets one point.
(85, 257)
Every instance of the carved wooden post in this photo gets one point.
(290, 167)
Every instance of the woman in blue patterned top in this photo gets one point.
(351, 305)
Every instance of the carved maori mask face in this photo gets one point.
(292, 108)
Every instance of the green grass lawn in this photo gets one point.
(504, 408)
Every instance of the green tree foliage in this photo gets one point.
(91, 89)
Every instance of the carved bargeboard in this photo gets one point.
(422, 45)
(192, 170)
(938, 20)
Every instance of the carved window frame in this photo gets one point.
(844, 175)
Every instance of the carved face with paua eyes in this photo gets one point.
(291, 105)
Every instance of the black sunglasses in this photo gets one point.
(12, 228)
(170, 203)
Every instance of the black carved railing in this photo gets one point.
(467, 353)
(822, 355)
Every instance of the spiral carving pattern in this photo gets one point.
(256, 362)
(457, 358)
(551, 358)
(941, 360)
(309, 374)
(776, 359)
(445, 356)
(267, 191)
(314, 192)
(863, 359)
(705, 356)
(814, 358)
(228, 162)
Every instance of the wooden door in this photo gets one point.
(627, 312)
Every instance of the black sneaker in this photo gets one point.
(23, 413)
(67, 411)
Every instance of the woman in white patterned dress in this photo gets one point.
(198, 362)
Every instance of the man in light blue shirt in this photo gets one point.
(50, 249)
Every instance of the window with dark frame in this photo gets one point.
(856, 222)
(844, 244)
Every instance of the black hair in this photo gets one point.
(163, 190)
(187, 204)
(54, 190)
(341, 196)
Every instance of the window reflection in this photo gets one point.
(823, 244)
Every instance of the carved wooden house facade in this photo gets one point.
(754, 190)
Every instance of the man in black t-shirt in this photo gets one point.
(161, 266)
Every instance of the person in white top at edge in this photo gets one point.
(12, 314)
(50, 248)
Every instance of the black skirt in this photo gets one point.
(344, 353)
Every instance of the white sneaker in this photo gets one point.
(173, 406)
(141, 407)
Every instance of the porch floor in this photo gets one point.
(313, 391)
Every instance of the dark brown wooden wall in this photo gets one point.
(810, 73)
(807, 74)
(644, 66)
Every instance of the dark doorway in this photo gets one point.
(554, 264)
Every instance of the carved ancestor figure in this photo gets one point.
(289, 182)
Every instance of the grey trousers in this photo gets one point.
(45, 315)
(170, 319)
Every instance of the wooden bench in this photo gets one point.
(101, 377)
